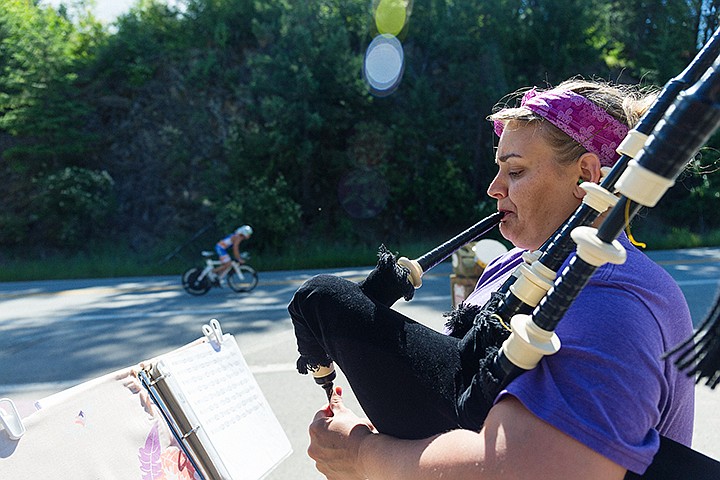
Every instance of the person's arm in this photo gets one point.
(513, 444)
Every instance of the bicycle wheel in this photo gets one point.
(242, 278)
(194, 285)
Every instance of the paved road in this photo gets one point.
(57, 334)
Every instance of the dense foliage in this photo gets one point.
(244, 111)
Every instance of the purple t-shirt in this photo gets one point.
(608, 386)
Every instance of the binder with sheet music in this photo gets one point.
(216, 409)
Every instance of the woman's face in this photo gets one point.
(536, 193)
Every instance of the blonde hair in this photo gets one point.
(626, 103)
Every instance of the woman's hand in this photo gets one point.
(346, 447)
(335, 437)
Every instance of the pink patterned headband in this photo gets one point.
(584, 121)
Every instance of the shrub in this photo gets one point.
(72, 205)
(267, 206)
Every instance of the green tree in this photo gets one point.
(439, 159)
(653, 39)
(40, 53)
(551, 40)
(307, 94)
(73, 205)
(44, 114)
(185, 105)
(267, 206)
(170, 85)
(708, 18)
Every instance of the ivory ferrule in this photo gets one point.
(631, 145)
(322, 371)
(416, 271)
(531, 257)
(532, 283)
(528, 343)
(642, 185)
(594, 251)
(597, 197)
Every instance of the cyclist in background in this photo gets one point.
(232, 240)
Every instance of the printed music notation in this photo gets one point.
(216, 391)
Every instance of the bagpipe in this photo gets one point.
(534, 300)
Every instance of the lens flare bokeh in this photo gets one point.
(385, 59)
(384, 64)
(390, 16)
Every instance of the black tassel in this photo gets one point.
(700, 354)
(306, 364)
(388, 282)
(461, 319)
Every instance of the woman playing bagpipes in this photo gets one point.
(593, 410)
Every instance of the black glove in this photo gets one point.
(388, 281)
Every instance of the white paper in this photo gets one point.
(217, 390)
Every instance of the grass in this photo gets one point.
(123, 262)
(112, 262)
(661, 237)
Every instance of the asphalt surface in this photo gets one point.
(57, 334)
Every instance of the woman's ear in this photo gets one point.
(589, 166)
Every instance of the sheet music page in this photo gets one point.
(218, 389)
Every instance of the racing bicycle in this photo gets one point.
(241, 277)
